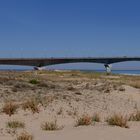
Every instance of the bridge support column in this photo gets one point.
(108, 68)
(38, 68)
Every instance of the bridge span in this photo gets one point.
(38, 63)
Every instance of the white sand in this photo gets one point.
(85, 96)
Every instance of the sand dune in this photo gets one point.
(64, 97)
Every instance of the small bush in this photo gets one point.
(15, 124)
(96, 118)
(50, 126)
(10, 108)
(24, 136)
(117, 120)
(84, 120)
(121, 89)
(31, 105)
(34, 82)
(135, 117)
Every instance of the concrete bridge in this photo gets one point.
(38, 63)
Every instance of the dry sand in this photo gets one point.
(65, 96)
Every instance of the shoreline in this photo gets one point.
(121, 72)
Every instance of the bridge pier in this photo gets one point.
(108, 68)
(38, 68)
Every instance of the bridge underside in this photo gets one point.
(41, 62)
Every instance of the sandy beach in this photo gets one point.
(59, 105)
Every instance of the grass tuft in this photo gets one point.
(135, 117)
(9, 108)
(24, 136)
(31, 105)
(84, 120)
(50, 126)
(118, 120)
(96, 118)
(34, 81)
(15, 124)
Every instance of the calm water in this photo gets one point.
(113, 71)
(127, 71)
(118, 71)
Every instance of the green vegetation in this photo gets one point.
(15, 124)
(96, 118)
(50, 126)
(34, 81)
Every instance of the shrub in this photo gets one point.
(33, 81)
(15, 124)
(121, 89)
(50, 126)
(135, 117)
(31, 105)
(24, 136)
(117, 120)
(10, 108)
(84, 120)
(96, 118)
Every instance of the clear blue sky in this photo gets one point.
(54, 28)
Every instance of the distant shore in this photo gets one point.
(125, 72)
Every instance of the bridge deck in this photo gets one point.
(38, 62)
